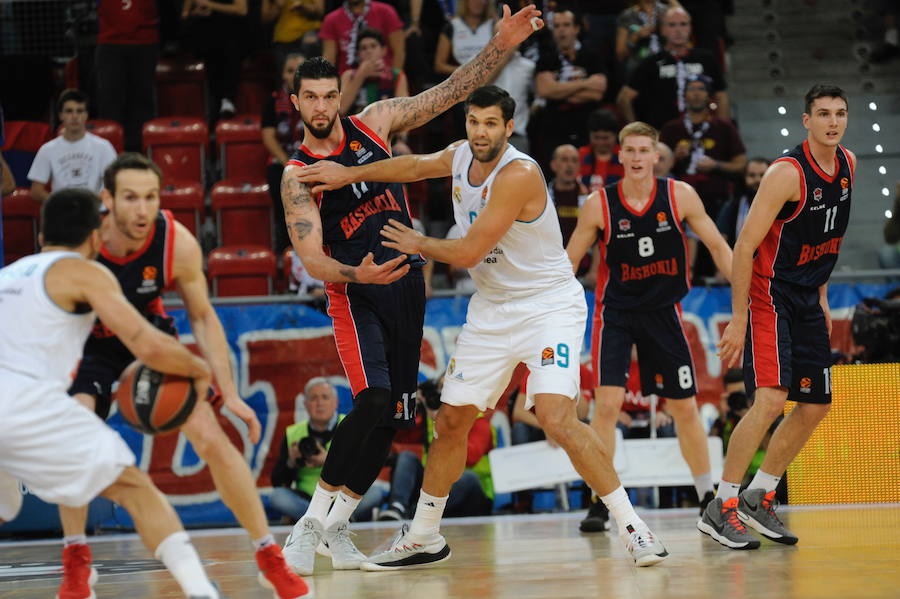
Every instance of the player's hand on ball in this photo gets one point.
(401, 237)
(731, 345)
(324, 175)
(514, 29)
(240, 409)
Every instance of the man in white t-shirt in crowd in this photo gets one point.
(74, 159)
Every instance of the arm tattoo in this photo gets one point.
(349, 272)
(296, 194)
(413, 112)
(302, 229)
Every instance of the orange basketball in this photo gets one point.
(154, 402)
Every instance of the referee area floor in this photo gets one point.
(847, 552)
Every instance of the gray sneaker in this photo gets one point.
(344, 554)
(404, 554)
(300, 546)
(757, 509)
(720, 521)
(644, 546)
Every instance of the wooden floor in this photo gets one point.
(845, 552)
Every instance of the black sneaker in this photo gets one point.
(396, 511)
(707, 499)
(597, 519)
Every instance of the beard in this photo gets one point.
(487, 155)
(122, 225)
(321, 132)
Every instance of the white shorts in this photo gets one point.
(61, 450)
(545, 333)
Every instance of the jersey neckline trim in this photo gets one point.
(120, 260)
(620, 187)
(819, 171)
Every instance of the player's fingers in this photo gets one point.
(397, 224)
(397, 274)
(255, 429)
(506, 11)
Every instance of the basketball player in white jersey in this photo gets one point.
(528, 307)
(61, 451)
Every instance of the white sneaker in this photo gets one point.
(643, 545)
(344, 554)
(300, 546)
(405, 554)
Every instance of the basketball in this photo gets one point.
(154, 402)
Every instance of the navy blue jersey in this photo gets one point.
(143, 276)
(803, 243)
(353, 216)
(643, 255)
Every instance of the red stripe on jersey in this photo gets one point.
(120, 260)
(673, 206)
(370, 134)
(602, 266)
(295, 162)
(767, 253)
(604, 205)
(334, 152)
(169, 251)
(346, 337)
(596, 341)
(764, 333)
(815, 165)
(849, 163)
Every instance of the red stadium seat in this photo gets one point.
(241, 151)
(111, 131)
(181, 87)
(178, 146)
(23, 140)
(241, 270)
(185, 200)
(21, 224)
(243, 213)
(257, 82)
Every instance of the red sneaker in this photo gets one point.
(79, 577)
(275, 574)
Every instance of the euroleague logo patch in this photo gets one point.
(806, 385)
(355, 145)
(547, 357)
(149, 273)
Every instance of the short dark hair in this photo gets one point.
(71, 95)
(491, 95)
(824, 91)
(315, 68)
(371, 33)
(733, 375)
(69, 216)
(127, 161)
(602, 120)
(765, 161)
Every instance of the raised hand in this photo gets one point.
(515, 29)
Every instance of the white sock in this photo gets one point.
(620, 508)
(728, 490)
(319, 504)
(264, 542)
(74, 540)
(429, 511)
(763, 480)
(892, 37)
(181, 559)
(342, 509)
(703, 483)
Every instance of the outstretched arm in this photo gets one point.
(325, 175)
(400, 114)
(304, 225)
(691, 208)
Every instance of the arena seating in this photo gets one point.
(181, 87)
(186, 202)
(243, 212)
(241, 151)
(22, 141)
(178, 146)
(111, 131)
(21, 223)
(257, 83)
(241, 270)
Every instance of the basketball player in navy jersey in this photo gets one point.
(642, 276)
(148, 251)
(376, 294)
(782, 260)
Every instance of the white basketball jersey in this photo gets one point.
(529, 259)
(37, 337)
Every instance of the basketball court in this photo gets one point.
(846, 551)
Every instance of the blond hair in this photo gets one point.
(489, 14)
(638, 128)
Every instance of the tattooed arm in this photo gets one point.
(393, 115)
(304, 225)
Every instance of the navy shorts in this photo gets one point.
(378, 333)
(787, 341)
(664, 357)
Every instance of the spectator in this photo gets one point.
(663, 168)
(517, 78)
(217, 33)
(295, 19)
(282, 133)
(889, 256)
(566, 191)
(371, 79)
(464, 35)
(599, 159)
(75, 158)
(654, 92)
(341, 28)
(637, 32)
(601, 19)
(303, 452)
(572, 80)
(734, 212)
(125, 65)
(471, 495)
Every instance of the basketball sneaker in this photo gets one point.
(757, 509)
(344, 554)
(396, 511)
(643, 545)
(597, 519)
(79, 576)
(720, 521)
(275, 574)
(300, 546)
(404, 553)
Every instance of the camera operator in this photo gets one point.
(303, 452)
